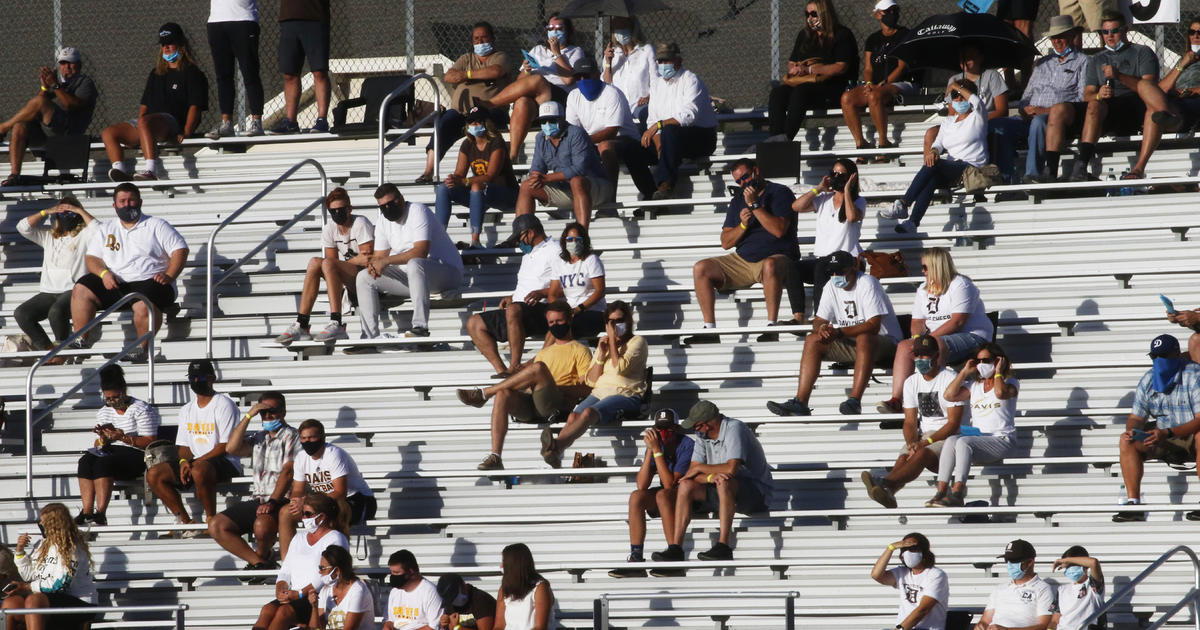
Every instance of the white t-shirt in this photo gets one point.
(927, 398)
(1077, 603)
(137, 253)
(63, 260)
(361, 232)
(833, 235)
(418, 224)
(334, 463)
(299, 568)
(865, 300)
(610, 109)
(990, 84)
(961, 297)
(421, 607)
(202, 428)
(1016, 606)
(914, 586)
(991, 415)
(632, 73)
(684, 98)
(233, 11)
(358, 599)
(576, 280)
(542, 54)
(965, 139)
(537, 268)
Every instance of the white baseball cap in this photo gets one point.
(883, 5)
(549, 109)
(69, 54)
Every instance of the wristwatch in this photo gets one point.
(755, 206)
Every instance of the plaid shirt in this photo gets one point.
(269, 456)
(1174, 408)
(1054, 81)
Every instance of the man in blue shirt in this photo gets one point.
(566, 171)
(760, 227)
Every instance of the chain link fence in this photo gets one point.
(727, 42)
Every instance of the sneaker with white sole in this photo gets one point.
(145, 176)
(897, 211)
(223, 130)
(117, 175)
(293, 333)
(255, 128)
(332, 332)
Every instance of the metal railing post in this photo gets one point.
(436, 116)
(790, 612)
(601, 620)
(1189, 599)
(774, 39)
(410, 46)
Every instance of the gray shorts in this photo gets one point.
(558, 194)
(172, 123)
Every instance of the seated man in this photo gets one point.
(1023, 601)
(928, 420)
(728, 473)
(761, 225)
(135, 253)
(329, 470)
(524, 312)
(205, 424)
(601, 110)
(855, 324)
(566, 171)
(62, 107)
(669, 456)
(681, 122)
(1169, 392)
(555, 381)
(463, 605)
(413, 257)
(413, 602)
(271, 448)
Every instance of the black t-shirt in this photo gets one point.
(883, 63)
(82, 87)
(479, 605)
(174, 92)
(757, 243)
(843, 49)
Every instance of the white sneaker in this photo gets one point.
(255, 128)
(332, 332)
(222, 130)
(897, 211)
(293, 333)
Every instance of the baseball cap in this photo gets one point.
(200, 367)
(584, 66)
(69, 54)
(1164, 345)
(925, 346)
(701, 411)
(1017, 551)
(524, 223)
(666, 52)
(477, 115)
(883, 5)
(448, 587)
(839, 261)
(665, 417)
(549, 110)
(170, 33)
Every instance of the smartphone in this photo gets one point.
(533, 62)
(1167, 303)
(1139, 435)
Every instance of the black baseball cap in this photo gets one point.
(200, 367)
(925, 346)
(524, 223)
(665, 417)
(448, 587)
(1018, 551)
(584, 66)
(839, 262)
(171, 33)
(477, 115)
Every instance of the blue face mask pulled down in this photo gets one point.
(1074, 572)
(1164, 371)
(272, 425)
(1068, 50)
(524, 247)
(961, 107)
(476, 130)
(667, 70)
(483, 49)
(550, 129)
(923, 365)
(1014, 570)
(1119, 46)
(590, 88)
(839, 282)
(171, 57)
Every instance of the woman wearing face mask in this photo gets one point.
(808, 86)
(1182, 82)
(325, 524)
(962, 135)
(175, 95)
(839, 214)
(56, 573)
(1083, 595)
(483, 177)
(578, 277)
(525, 601)
(629, 65)
(125, 426)
(992, 435)
(924, 590)
(63, 232)
(347, 241)
(887, 80)
(344, 602)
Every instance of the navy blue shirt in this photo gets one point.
(757, 243)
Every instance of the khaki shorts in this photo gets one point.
(844, 350)
(558, 194)
(738, 272)
(935, 448)
(1177, 450)
(539, 405)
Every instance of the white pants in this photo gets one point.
(961, 451)
(415, 280)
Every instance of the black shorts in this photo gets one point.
(63, 600)
(225, 470)
(1125, 116)
(587, 324)
(558, 94)
(748, 499)
(119, 462)
(162, 295)
(300, 40)
(533, 319)
(300, 606)
(1017, 9)
(362, 508)
(243, 515)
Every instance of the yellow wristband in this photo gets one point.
(891, 547)
(743, 226)
(815, 191)
(43, 213)
(468, 74)
(710, 479)
(103, 272)
(930, 440)
(44, 88)
(659, 125)
(658, 454)
(20, 555)
(247, 416)
(183, 460)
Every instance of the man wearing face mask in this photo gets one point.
(1025, 602)
(566, 171)
(63, 232)
(135, 253)
(681, 123)
(464, 605)
(326, 469)
(271, 448)
(601, 110)
(1169, 392)
(1084, 595)
(414, 602)
(205, 424)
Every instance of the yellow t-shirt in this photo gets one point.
(567, 362)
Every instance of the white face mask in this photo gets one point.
(911, 559)
(323, 580)
(1196, 48)
(621, 328)
(986, 370)
(310, 525)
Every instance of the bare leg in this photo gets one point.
(287, 530)
(103, 489)
(523, 112)
(689, 490)
(706, 277)
(223, 530)
(1132, 465)
(1194, 346)
(666, 510)
(810, 365)
(577, 424)
(910, 467)
(852, 100)
(581, 195)
(1151, 134)
(204, 476)
(534, 375)
(484, 342)
(500, 419)
(312, 284)
(87, 494)
(321, 88)
(115, 138)
(291, 95)
(881, 98)
(151, 129)
(28, 113)
(516, 336)
(864, 363)
(338, 274)
(774, 274)
(902, 367)
(1061, 117)
(162, 482)
(639, 500)
(266, 529)
(726, 491)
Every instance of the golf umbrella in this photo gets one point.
(611, 8)
(934, 43)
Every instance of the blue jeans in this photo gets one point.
(493, 196)
(679, 142)
(944, 173)
(1004, 133)
(610, 406)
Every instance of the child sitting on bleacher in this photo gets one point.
(1079, 599)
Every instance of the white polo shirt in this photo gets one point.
(1018, 606)
(136, 253)
(418, 224)
(610, 109)
(334, 463)
(684, 98)
(537, 268)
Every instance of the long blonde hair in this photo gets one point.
(829, 23)
(185, 60)
(939, 269)
(62, 534)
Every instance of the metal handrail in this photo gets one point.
(178, 609)
(1191, 598)
(147, 336)
(208, 269)
(600, 604)
(436, 116)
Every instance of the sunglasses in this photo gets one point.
(833, 173)
(812, 14)
(308, 514)
(956, 95)
(387, 206)
(991, 360)
(336, 208)
(112, 399)
(747, 176)
(574, 239)
(1191, 33)
(324, 568)
(1110, 31)
(924, 269)
(615, 321)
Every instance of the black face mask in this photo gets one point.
(838, 180)
(397, 581)
(68, 221)
(201, 387)
(890, 18)
(393, 211)
(312, 447)
(129, 214)
(340, 216)
(119, 405)
(42, 530)
(561, 331)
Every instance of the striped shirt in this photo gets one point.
(1176, 407)
(141, 419)
(1056, 80)
(269, 456)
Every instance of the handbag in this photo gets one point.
(793, 81)
(885, 265)
(158, 452)
(979, 178)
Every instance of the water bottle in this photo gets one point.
(1123, 497)
(1125, 191)
(1110, 176)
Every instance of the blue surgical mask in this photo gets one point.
(839, 282)
(561, 36)
(961, 107)
(171, 57)
(524, 247)
(923, 365)
(1068, 50)
(623, 36)
(1164, 371)
(272, 425)
(484, 49)
(1074, 572)
(1014, 570)
(476, 130)
(590, 88)
(666, 70)
(550, 129)
(1119, 46)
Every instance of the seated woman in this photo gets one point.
(629, 65)
(483, 177)
(578, 278)
(962, 135)
(887, 78)
(1182, 83)
(176, 93)
(992, 435)
(57, 573)
(525, 601)
(548, 78)
(993, 92)
(345, 602)
(840, 212)
(617, 378)
(125, 426)
(824, 61)
(947, 307)
(325, 525)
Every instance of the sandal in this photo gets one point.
(1133, 175)
(424, 179)
(862, 159)
(883, 158)
(11, 180)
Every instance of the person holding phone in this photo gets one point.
(1187, 319)
(56, 573)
